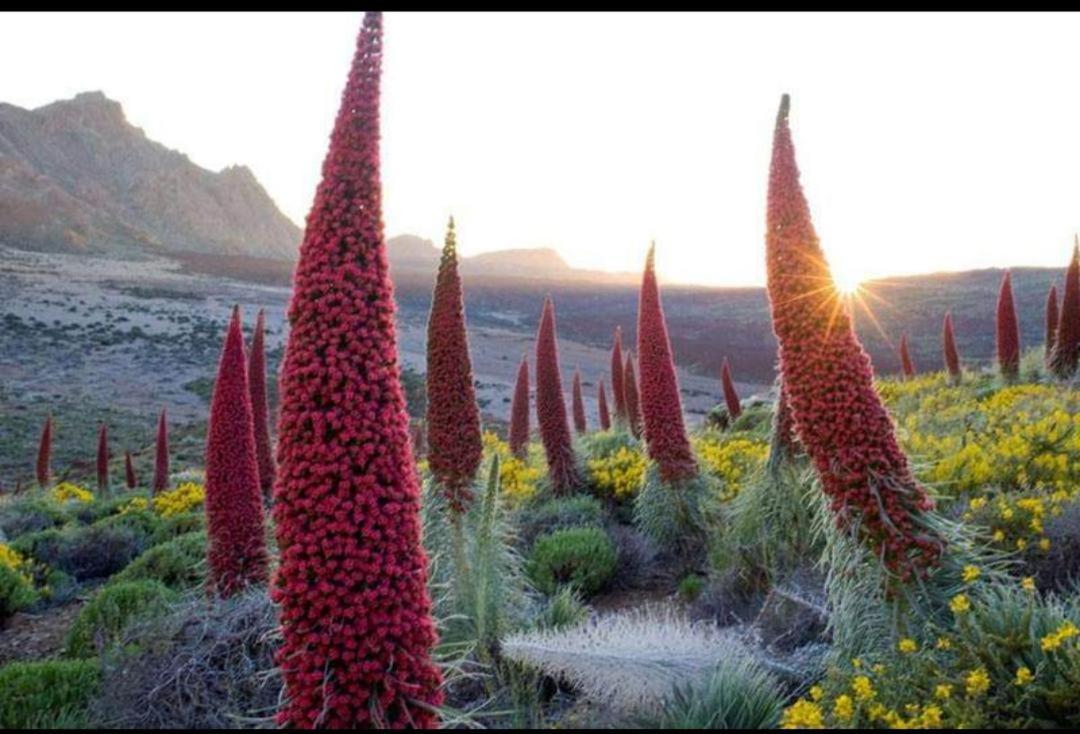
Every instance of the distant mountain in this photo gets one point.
(76, 176)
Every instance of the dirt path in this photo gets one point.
(37, 636)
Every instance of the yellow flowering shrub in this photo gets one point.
(519, 479)
(13, 561)
(732, 459)
(618, 474)
(68, 492)
(183, 498)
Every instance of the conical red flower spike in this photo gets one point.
(455, 446)
(130, 479)
(906, 363)
(602, 407)
(1067, 342)
(617, 375)
(1051, 322)
(355, 614)
(260, 405)
(632, 398)
(1008, 332)
(829, 383)
(731, 396)
(658, 396)
(578, 404)
(948, 344)
(44, 455)
(551, 407)
(236, 545)
(519, 412)
(103, 459)
(161, 455)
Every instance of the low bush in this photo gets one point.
(673, 515)
(46, 694)
(564, 609)
(104, 617)
(579, 511)
(84, 553)
(16, 591)
(581, 557)
(33, 514)
(179, 563)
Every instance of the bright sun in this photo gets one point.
(847, 283)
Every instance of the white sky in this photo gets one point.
(927, 143)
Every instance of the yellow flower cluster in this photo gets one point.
(733, 460)
(68, 492)
(618, 474)
(518, 478)
(803, 714)
(184, 498)
(11, 559)
(1017, 522)
(1056, 639)
(860, 699)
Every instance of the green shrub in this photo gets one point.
(19, 517)
(564, 609)
(178, 563)
(177, 525)
(579, 511)
(673, 515)
(148, 527)
(691, 586)
(83, 552)
(16, 592)
(103, 619)
(46, 693)
(90, 512)
(582, 557)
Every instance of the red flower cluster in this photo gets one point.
(551, 407)
(352, 581)
(948, 346)
(453, 419)
(236, 545)
(519, 411)
(602, 408)
(659, 400)
(618, 391)
(906, 364)
(260, 407)
(1067, 341)
(578, 404)
(632, 398)
(129, 471)
(103, 459)
(731, 397)
(44, 454)
(161, 455)
(839, 417)
(1008, 332)
(1051, 321)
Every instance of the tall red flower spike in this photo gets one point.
(260, 407)
(352, 581)
(617, 388)
(839, 417)
(161, 455)
(578, 404)
(103, 459)
(658, 398)
(236, 544)
(948, 347)
(44, 455)
(551, 407)
(129, 472)
(455, 447)
(1051, 321)
(731, 397)
(1008, 332)
(906, 364)
(519, 412)
(1067, 343)
(602, 407)
(632, 397)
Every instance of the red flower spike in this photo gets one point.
(551, 407)
(1067, 342)
(1008, 332)
(129, 472)
(44, 455)
(617, 376)
(632, 398)
(103, 459)
(236, 545)
(602, 407)
(161, 455)
(578, 404)
(827, 376)
(906, 364)
(1051, 322)
(455, 447)
(352, 581)
(948, 345)
(519, 412)
(260, 406)
(658, 397)
(731, 397)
